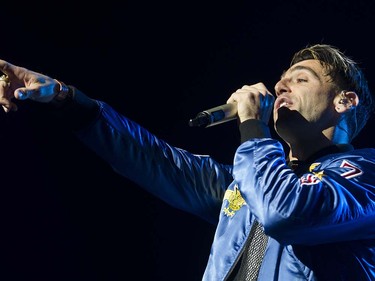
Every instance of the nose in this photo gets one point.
(281, 87)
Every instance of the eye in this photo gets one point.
(301, 80)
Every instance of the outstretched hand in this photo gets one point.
(21, 83)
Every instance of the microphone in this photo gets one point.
(215, 116)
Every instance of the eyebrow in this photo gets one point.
(301, 67)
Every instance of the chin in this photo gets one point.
(290, 122)
(284, 116)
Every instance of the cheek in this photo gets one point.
(312, 103)
(317, 113)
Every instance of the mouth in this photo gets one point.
(283, 102)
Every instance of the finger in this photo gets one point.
(8, 108)
(6, 67)
(260, 86)
(24, 93)
(36, 91)
(8, 105)
(12, 71)
(4, 93)
(5, 108)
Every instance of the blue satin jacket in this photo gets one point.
(320, 221)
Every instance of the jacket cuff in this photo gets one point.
(253, 128)
(76, 111)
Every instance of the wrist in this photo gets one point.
(64, 95)
(64, 92)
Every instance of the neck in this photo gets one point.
(302, 148)
(302, 151)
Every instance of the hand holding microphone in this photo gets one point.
(249, 102)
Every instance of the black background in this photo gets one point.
(65, 215)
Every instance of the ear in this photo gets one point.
(346, 101)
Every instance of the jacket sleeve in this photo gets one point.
(190, 182)
(332, 202)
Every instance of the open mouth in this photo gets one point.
(283, 102)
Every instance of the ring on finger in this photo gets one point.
(5, 78)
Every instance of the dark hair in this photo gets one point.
(347, 76)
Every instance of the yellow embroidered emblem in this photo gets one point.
(235, 201)
(320, 174)
(313, 166)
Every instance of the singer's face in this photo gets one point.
(304, 103)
